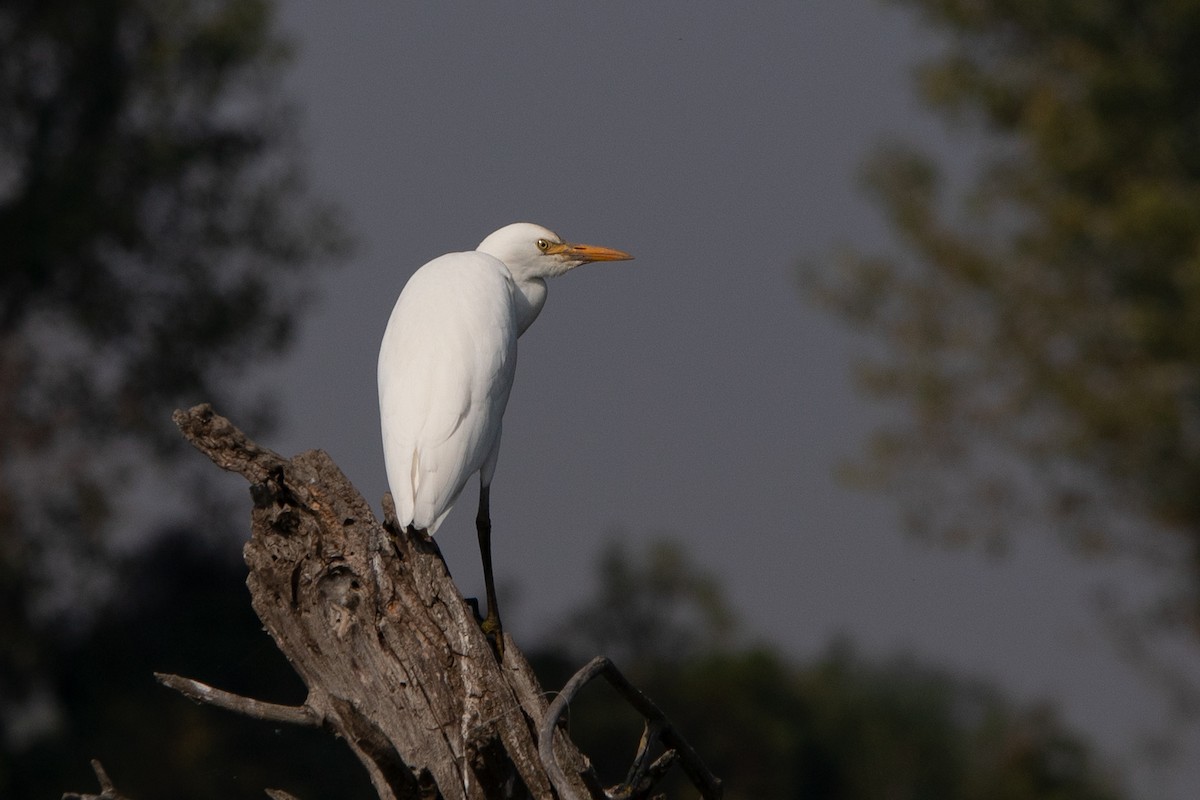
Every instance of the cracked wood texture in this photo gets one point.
(393, 658)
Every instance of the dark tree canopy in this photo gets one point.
(839, 726)
(154, 226)
(1041, 329)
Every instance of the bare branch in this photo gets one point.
(640, 778)
(107, 790)
(708, 784)
(247, 706)
(637, 789)
(225, 444)
(280, 794)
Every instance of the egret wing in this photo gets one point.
(445, 371)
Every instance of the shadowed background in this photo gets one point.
(697, 393)
(693, 390)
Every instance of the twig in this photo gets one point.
(107, 790)
(652, 775)
(272, 712)
(225, 444)
(708, 784)
(643, 775)
(279, 794)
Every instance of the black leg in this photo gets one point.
(483, 526)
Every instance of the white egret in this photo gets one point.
(446, 366)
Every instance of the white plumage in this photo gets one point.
(445, 370)
(446, 367)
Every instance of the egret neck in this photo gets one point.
(531, 254)
(529, 297)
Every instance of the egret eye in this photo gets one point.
(543, 245)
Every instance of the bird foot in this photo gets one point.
(490, 626)
(495, 635)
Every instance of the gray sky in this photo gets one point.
(692, 391)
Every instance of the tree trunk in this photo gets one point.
(393, 658)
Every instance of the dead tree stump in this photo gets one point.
(393, 657)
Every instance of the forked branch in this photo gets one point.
(107, 790)
(658, 727)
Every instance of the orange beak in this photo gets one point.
(589, 252)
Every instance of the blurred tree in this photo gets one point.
(656, 608)
(1042, 327)
(154, 223)
(837, 729)
(186, 610)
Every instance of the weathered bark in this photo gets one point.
(393, 658)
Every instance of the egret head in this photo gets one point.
(531, 251)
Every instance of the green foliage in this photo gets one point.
(1049, 316)
(154, 225)
(839, 728)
